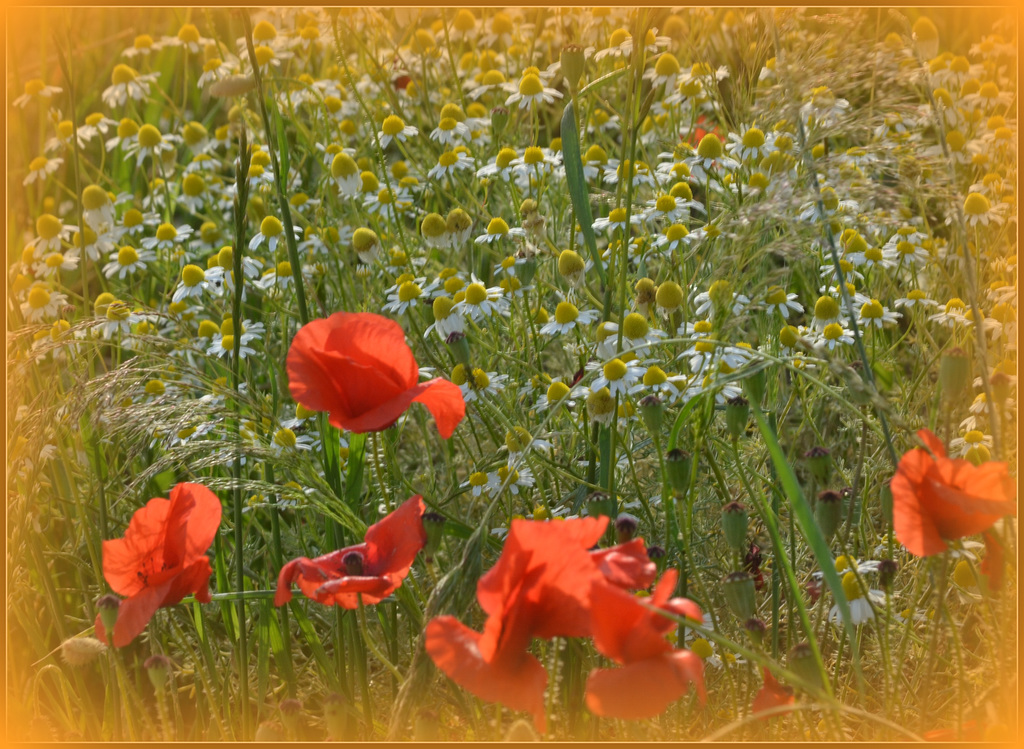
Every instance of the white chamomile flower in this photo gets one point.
(404, 296)
(621, 378)
(223, 346)
(42, 303)
(511, 479)
(972, 440)
(480, 301)
(127, 260)
(916, 298)
(532, 92)
(149, 141)
(36, 89)
(450, 132)
(750, 146)
(41, 168)
(498, 229)
(286, 441)
(125, 83)
(859, 601)
(834, 335)
(873, 314)
(449, 162)
(394, 128)
(194, 281)
(777, 300)
(567, 316)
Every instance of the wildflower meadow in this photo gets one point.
(512, 374)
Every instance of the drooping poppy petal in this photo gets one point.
(161, 558)
(385, 558)
(358, 368)
(646, 688)
(936, 499)
(772, 694)
(994, 563)
(627, 565)
(517, 679)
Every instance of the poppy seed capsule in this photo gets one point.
(652, 411)
(754, 386)
(887, 572)
(108, 606)
(625, 528)
(459, 345)
(819, 461)
(499, 119)
(334, 715)
(734, 525)
(353, 562)
(433, 524)
(573, 62)
(828, 512)
(755, 629)
(678, 464)
(737, 411)
(657, 555)
(157, 668)
(598, 504)
(954, 372)
(801, 662)
(739, 594)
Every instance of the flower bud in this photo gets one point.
(801, 662)
(819, 461)
(954, 372)
(739, 594)
(433, 524)
(499, 119)
(652, 411)
(269, 730)
(734, 525)
(737, 411)
(1000, 382)
(526, 271)
(828, 512)
(885, 494)
(678, 464)
(425, 726)
(755, 629)
(573, 63)
(108, 606)
(625, 528)
(157, 668)
(458, 344)
(291, 714)
(657, 555)
(334, 716)
(754, 386)
(886, 572)
(598, 504)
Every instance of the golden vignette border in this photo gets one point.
(21, 16)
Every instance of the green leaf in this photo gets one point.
(578, 185)
(811, 533)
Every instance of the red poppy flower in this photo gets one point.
(772, 694)
(374, 569)
(161, 559)
(540, 587)
(654, 674)
(936, 498)
(358, 368)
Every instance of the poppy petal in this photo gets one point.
(129, 560)
(640, 690)
(135, 612)
(517, 679)
(772, 694)
(203, 520)
(345, 591)
(393, 542)
(445, 402)
(627, 565)
(374, 341)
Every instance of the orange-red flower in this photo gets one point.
(935, 499)
(654, 674)
(772, 694)
(540, 587)
(161, 559)
(358, 368)
(374, 569)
